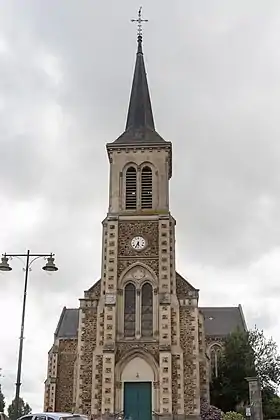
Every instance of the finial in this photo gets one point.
(139, 28)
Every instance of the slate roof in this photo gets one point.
(68, 323)
(140, 136)
(140, 126)
(140, 112)
(219, 321)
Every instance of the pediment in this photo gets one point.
(138, 273)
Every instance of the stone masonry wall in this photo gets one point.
(187, 341)
(88, 344)
(67, 353)
(175, 389)
(203, 363)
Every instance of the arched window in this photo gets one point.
(131, 188)
(147, 310)
(129, 310)
(146, 188)
(215, 352)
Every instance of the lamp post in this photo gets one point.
(4, 266)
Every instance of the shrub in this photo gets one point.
(232, 415)
(209, 412)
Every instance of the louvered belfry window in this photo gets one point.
(131, 188)
(129, 310)
(146, 188)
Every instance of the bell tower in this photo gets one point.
(140, 159)
(138, 279)
(130, 344)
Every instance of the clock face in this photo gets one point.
(138, 243)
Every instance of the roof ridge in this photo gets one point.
(220, 307)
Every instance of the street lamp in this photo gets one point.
(4, 266)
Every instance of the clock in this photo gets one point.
(138, 243)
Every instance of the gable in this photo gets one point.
(183, 287)
(94, 291)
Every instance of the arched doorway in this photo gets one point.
(137, 378)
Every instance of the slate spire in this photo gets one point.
(140, 114)
(140, 126)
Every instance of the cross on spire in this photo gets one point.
(139, 24)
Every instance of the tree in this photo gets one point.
(24, 408)
(236, 362)
(271, 404)
(267, 359)
(247, 354)
(2, 401)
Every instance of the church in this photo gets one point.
(139, 345)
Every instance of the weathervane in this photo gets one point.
(139, 22)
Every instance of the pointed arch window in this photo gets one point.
(129, 310)
(146, 188)
(215, 353)
(131, 188)
(147, 310)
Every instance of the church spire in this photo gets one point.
(140, 114)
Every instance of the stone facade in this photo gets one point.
(50, 383)
(128, 229)
(174, 355)
(95, 369)
(140, 322)
(64, 395)
(204, 360)
(87, 343)
(188, 341)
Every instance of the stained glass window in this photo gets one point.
(129, 310)
(147, 310)
(214, 360)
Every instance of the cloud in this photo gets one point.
(65, 77)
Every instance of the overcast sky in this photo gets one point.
(65, 77)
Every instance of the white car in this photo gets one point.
(53, 416)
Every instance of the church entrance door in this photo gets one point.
(138, 400)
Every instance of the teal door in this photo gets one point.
(138, 400)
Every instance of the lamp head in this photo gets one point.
(4, 265)
(50, 266)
